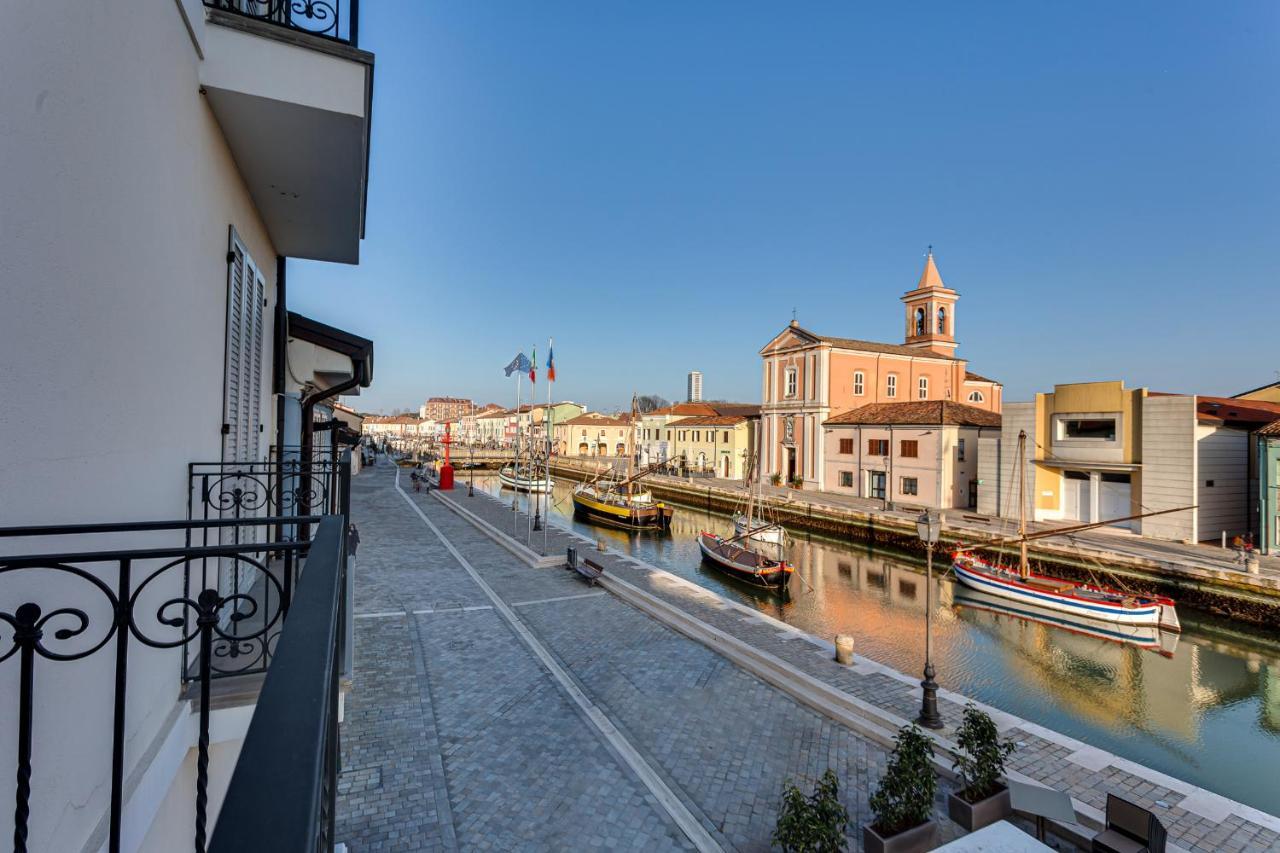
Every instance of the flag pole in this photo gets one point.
(548, 422)
(515, 498)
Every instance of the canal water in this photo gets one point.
(1203, 706)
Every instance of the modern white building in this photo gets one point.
(163, 161)
(1097, 451)
(694, 389)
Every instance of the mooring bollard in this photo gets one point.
(571, 558)
(844, 649)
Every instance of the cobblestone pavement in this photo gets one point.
(1209, 824)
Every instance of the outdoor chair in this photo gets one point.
(1130, 829)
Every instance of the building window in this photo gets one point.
(877, 447)
(919, 321)
(846, 479)
(242, 381)
(891, 386)
(1103, 429)
(846, 446)
(910, 486)
(791, 381)
(725, 437)
(858, 379)
(960, 450)
(876, 483)
(976, 397)
(923, 385)
(909, 448)
(942, 320)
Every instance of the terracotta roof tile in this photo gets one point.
(924, 412)
(1271, 429)
(970, 376)
(711, 420)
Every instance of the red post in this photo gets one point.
(446, 470)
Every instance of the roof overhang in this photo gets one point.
(326, 356)
(295, 110)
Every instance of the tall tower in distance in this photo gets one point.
(931, 312)
(695, 386)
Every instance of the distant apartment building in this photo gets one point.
(1097, 451)
(915, 454)
(391, 426)
(593, 434)
(694, 388)
(808, 378)
(445, 408)
(491, 427)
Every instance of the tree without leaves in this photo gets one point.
(648, 402)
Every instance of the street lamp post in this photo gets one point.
(471, 459)
(928, 526)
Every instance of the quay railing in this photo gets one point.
(111, 608)
(330, 19)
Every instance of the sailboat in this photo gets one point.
(1086, 600)
(757, 528)
(532, 478)
(738, 558)
(623, 503)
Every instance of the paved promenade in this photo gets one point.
(499, 706)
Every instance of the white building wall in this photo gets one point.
(1222, 455)
(1002, 490)
(990, 462)
(1169, 465)
(116, 197)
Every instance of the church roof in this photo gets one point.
(930, 277)
(919, 413)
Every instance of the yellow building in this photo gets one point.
(723, 444)
(593, 434)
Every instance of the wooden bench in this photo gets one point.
(590, 570)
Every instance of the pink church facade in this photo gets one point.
(807, 378)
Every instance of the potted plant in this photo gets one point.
(903, 802)
(775, 479)
(797, 482)
(979, 760)
(813, 824)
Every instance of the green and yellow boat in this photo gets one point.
(622, 503)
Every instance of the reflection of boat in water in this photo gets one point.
(744, 563)
(1087, 601)
(1149, 637)
(533, 478)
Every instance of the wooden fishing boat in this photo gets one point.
(533, 479)
(761, 531)
(1150, 638)
(622, 503)
(744, 563)
(1090, 601)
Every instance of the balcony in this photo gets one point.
(249, 596)
(293, 95)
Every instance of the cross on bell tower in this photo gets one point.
(930, 312)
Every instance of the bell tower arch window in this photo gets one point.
(942, 319)
(920, 325)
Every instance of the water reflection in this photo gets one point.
(1203, 706)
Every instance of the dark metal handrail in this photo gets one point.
(282, 793)
(323, 18)
(139, 604)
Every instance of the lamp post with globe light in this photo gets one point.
(928, 527)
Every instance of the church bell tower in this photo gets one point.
(931, 312)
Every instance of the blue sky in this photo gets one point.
(658, 184)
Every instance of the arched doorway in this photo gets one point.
(620, 450)
(583, 450)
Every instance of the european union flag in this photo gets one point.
(520, 363)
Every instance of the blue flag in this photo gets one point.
(520, 363)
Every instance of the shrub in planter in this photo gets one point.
(983, 798)
(797, 482)
(813, 824)
(903, 802)
(775, 479)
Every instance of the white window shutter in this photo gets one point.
(242, 404)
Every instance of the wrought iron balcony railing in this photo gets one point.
(245, 587)
(330, 19)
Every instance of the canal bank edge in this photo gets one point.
(859, 715)
(1235, 595)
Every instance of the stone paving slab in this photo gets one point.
(1044, 756)
(454, 736)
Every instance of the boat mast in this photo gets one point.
(751, 493)
(631, 444)
(1023, 569)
